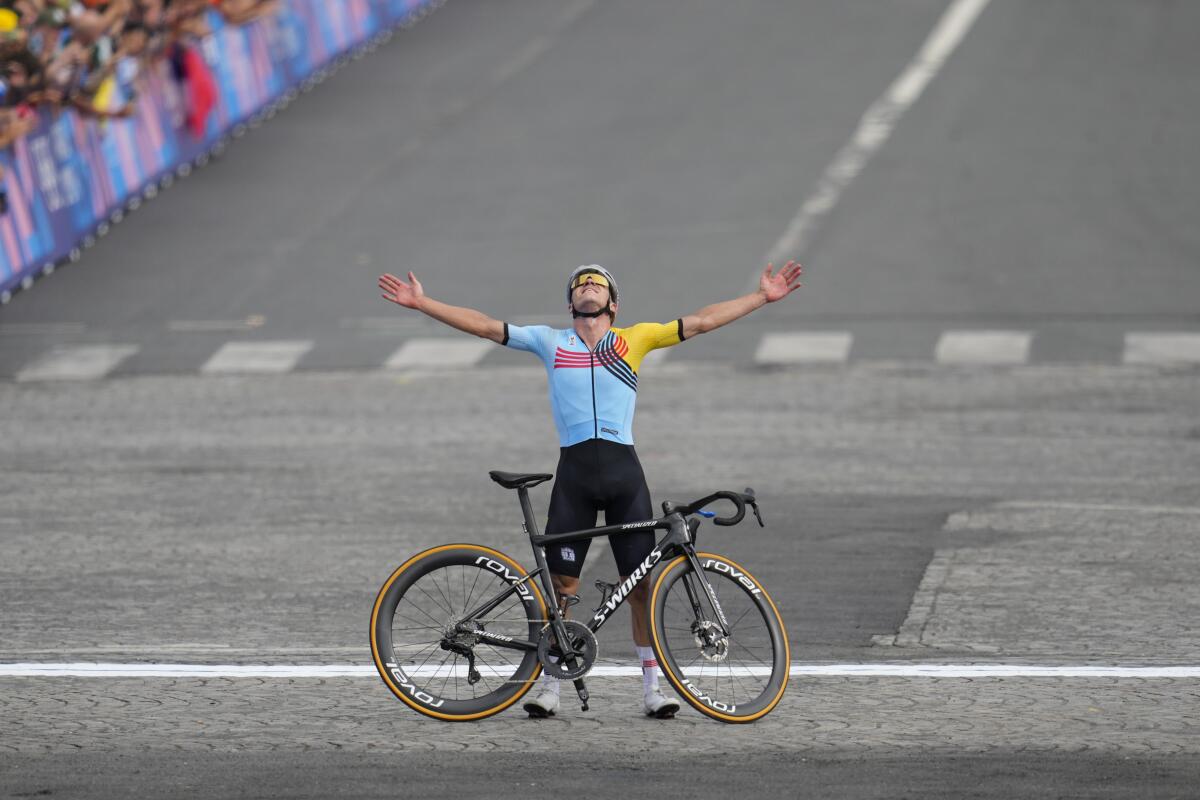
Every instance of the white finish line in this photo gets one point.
(86, 670)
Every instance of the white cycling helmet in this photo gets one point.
(599, 270)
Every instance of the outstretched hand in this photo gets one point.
(782, 283)
(405, 294)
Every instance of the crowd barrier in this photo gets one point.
(73, 177)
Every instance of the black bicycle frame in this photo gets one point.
(678, 538)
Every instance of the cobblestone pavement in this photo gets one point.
(218, 521)
(1069, 581)
(1115, 716)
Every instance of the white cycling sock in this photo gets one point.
(649, 669)
(549, 683)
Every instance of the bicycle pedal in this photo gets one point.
(607, 590)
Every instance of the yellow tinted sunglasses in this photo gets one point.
(594, 277)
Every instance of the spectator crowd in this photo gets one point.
(76, 54)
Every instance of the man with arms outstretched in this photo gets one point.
(593, 372)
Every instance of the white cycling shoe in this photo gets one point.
(659, 706)
(543, 705)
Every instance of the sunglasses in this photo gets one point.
(589, 277)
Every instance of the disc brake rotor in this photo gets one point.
(713, 644)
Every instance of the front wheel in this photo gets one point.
(420, 653)
(738, 677)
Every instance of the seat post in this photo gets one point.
(527, 511)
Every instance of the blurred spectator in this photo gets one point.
(78, 53)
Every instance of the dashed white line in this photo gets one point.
(250, 358)
(439, 353)
(40, 328)
(875, 127)
(81, 363)
(1162, 348)
(983, 347)
(804, 347)
(87, 670)
(1067, 506)
(215, 325)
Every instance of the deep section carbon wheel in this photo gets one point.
(737, 677)
(452, 671)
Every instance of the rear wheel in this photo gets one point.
(413, 622)
(734, 678)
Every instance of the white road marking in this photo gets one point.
(540, 44)
(1162, 348)
(215, 325)
(983, 347)
(247, 358)
(87, 670)
(439, 353)
(874, 129)
(804, 347)
(81, 363)
(394, 324)
(40, 328)
(1051, 504)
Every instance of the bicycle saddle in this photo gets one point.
(519, 480)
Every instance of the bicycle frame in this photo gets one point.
(678, 538)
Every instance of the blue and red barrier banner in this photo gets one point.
(67, 178)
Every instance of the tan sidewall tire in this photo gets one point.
(666, 662)
(414, 566)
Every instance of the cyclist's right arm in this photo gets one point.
(468, 320)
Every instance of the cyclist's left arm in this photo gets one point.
(771, 287)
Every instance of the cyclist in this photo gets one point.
(593, 370)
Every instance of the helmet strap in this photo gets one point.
(588, 314)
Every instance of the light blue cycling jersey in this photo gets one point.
(593, 393)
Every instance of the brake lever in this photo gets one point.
(749, 496)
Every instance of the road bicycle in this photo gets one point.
(461, 631)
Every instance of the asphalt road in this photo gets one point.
(919, 513)
(1043, 181)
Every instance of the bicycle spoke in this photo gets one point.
(450, 592)
(503, 659)
(474, 583)
(438, 587)
(749, 650)
(433, 677)
(446, 680)
(427, 642)
(424, 625)
(421, 589)
(734, 679)
(462, 573)
(734, 624)
(421, 628)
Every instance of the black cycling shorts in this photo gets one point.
(592, 476)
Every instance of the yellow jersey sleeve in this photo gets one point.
(647, 336)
